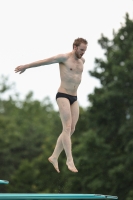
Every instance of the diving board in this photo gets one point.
(32, 196)
(4, 182)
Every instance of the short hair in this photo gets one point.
(78, 41)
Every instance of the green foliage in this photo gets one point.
(24, 178)
(111, 111)
(27, 129)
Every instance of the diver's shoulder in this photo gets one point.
(83, 60)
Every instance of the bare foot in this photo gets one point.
(55, 163)
(71, 166)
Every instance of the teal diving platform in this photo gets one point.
(32, 196)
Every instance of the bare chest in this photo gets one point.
(74, 66)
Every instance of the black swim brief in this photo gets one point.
(71, 98)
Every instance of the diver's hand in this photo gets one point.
(20, 69)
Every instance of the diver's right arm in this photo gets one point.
(55, 59)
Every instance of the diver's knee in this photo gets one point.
(67, 129)
(72, 130)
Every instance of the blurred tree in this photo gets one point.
(111, 110)
(28, 129)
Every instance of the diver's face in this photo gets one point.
(80, 50)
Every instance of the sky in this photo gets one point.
(32, 30)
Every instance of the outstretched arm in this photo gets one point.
(55, 59)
